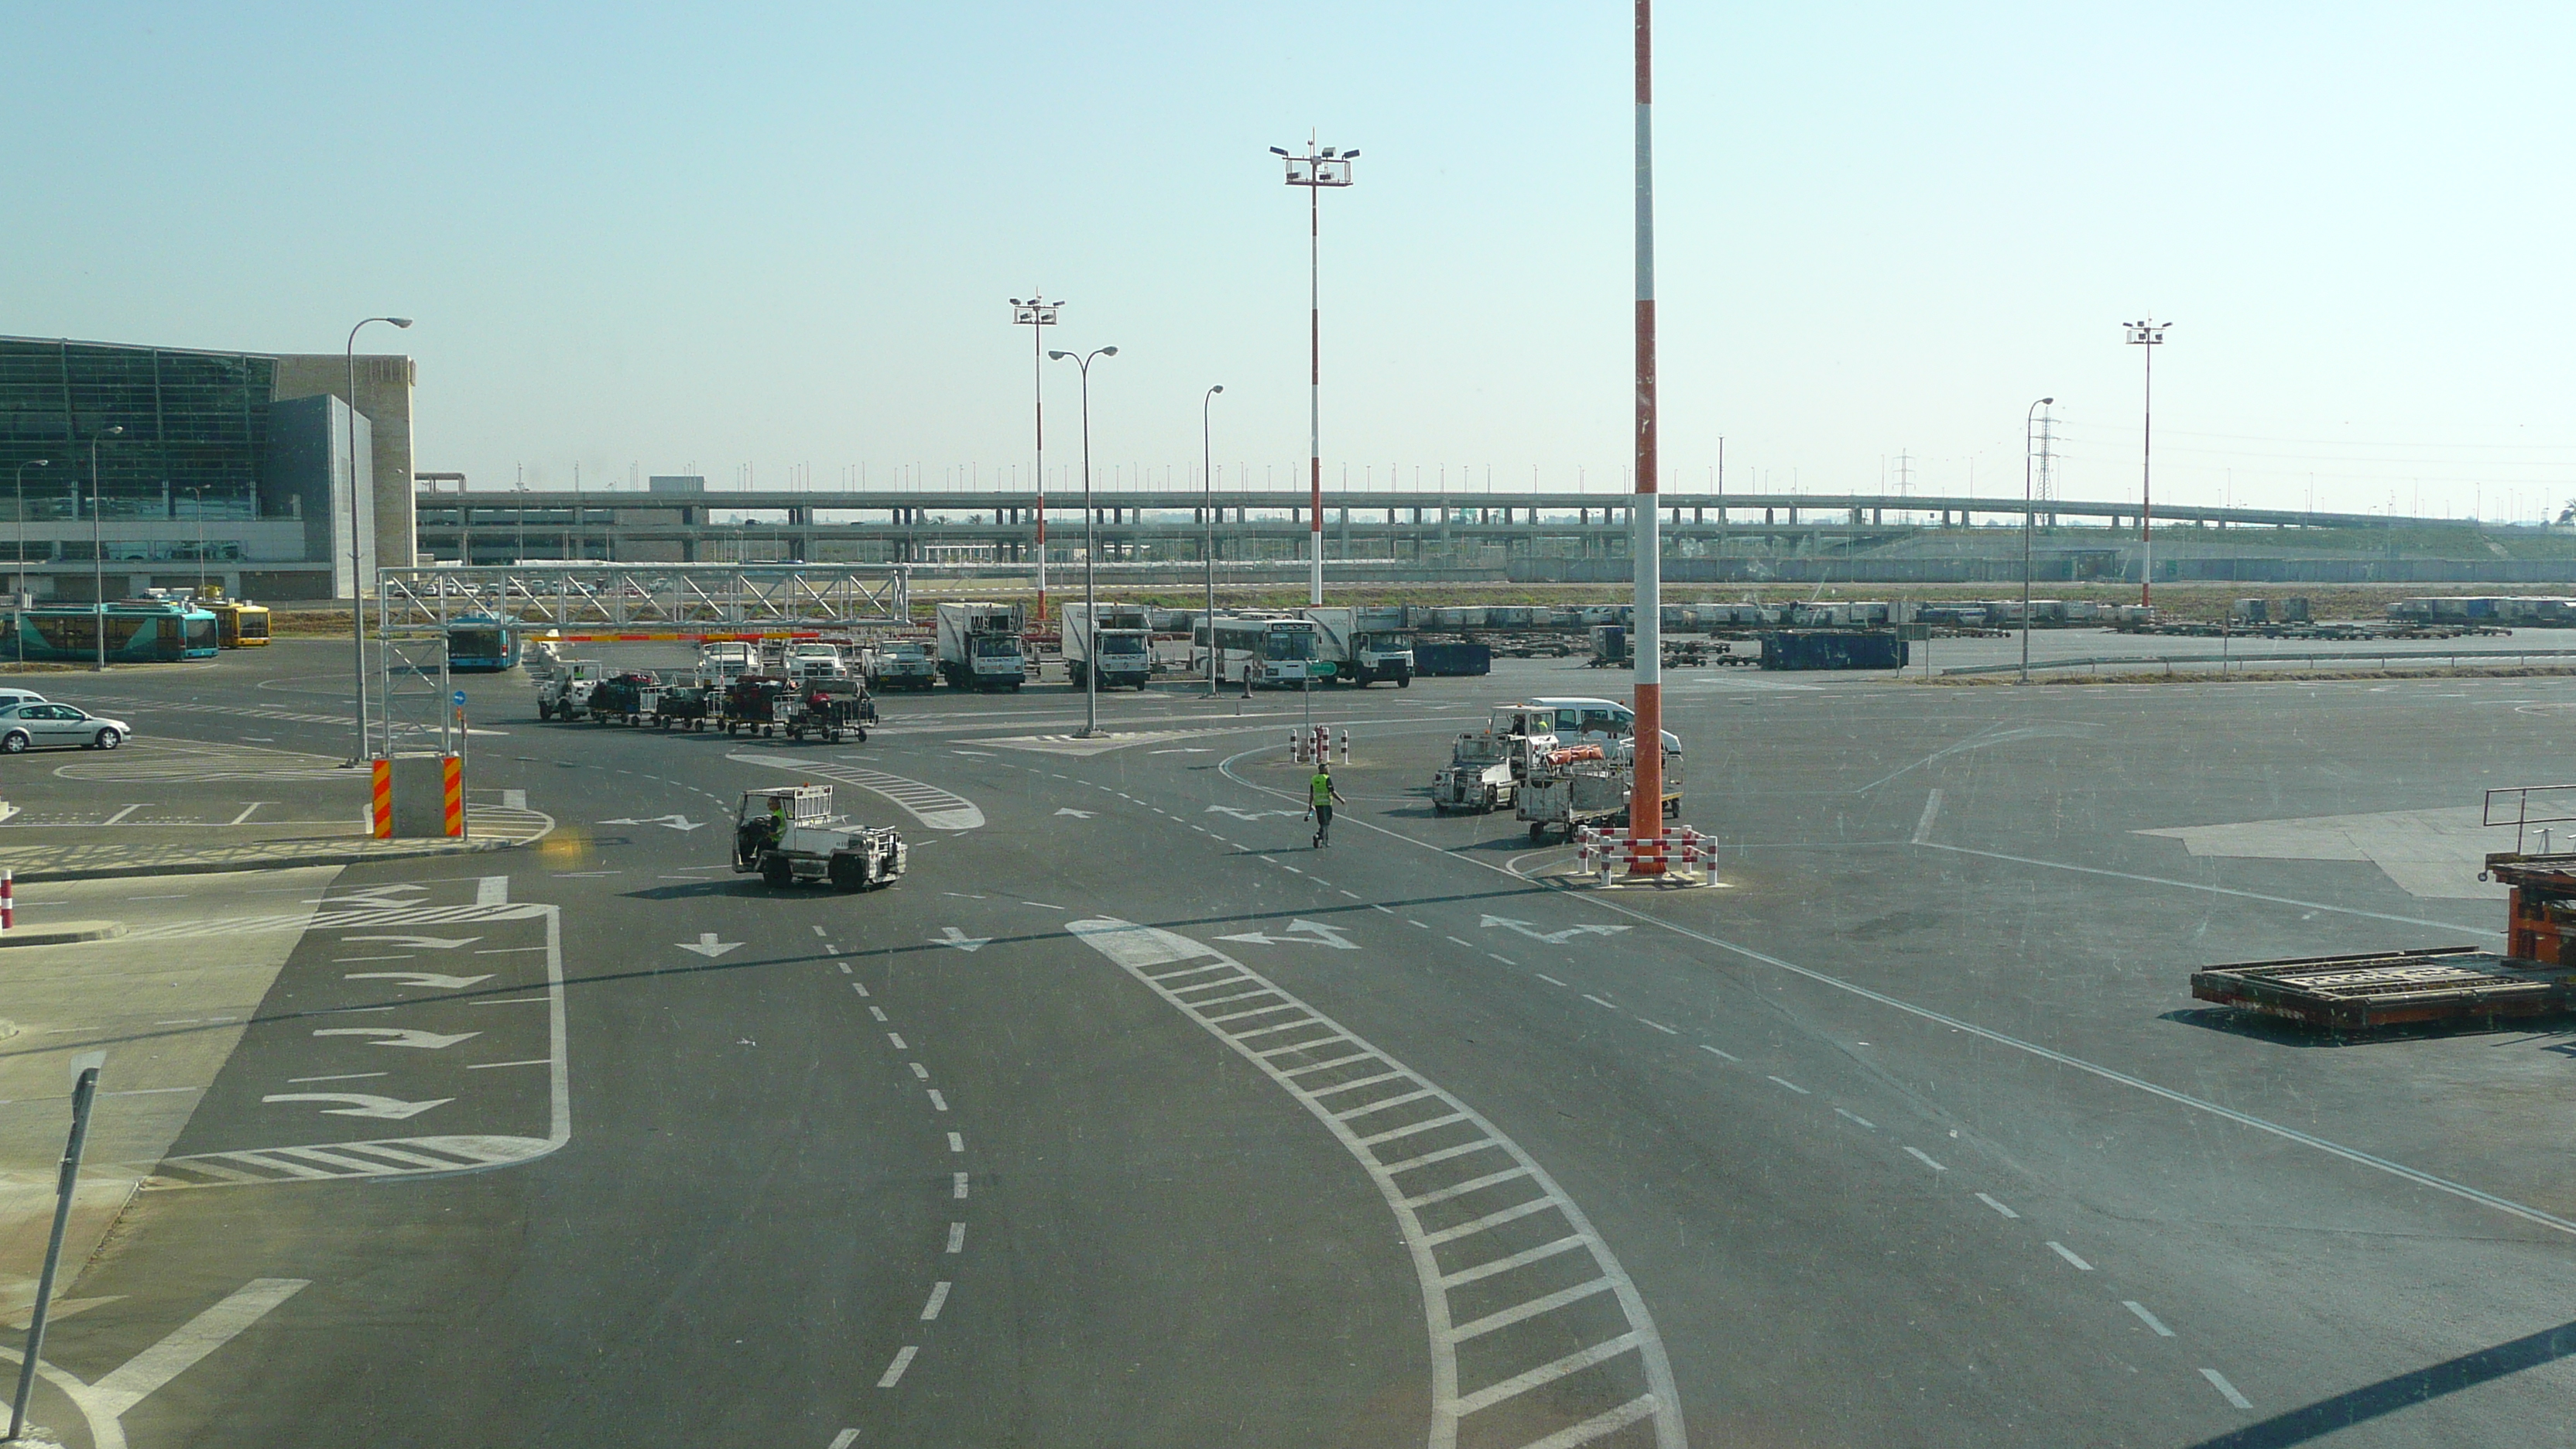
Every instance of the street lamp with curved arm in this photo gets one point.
(98, 545)
(1090, 550)
(2027, 523)
(357, 583)
(1207, 545)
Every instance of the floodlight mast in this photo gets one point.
(1037, 315)
(1315, 170)
(1646, 745)
(2149, 335)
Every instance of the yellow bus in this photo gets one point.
(239, 625)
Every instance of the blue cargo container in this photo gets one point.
(1452, 659)
(1833, 649)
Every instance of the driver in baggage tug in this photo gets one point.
(761, 832)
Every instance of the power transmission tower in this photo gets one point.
(2047, 460)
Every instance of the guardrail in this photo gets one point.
(2231, 662)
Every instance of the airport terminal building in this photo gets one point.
(235, 465)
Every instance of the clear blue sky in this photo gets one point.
(651, 237)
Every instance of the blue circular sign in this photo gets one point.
(459, 698)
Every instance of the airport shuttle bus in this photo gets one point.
(138, 632)
(1252, 649)
(481, 644)
(239, 625)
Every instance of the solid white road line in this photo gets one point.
(2068, 1254)
(2219, 1382)
(894, 1370)
(1998, 1207)
(2149, 1319)
(199, 1336)
(1917, 1154)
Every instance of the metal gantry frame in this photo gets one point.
(642, 596)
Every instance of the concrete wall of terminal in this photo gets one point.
(385, 384)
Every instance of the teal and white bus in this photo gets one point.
(1262, 649)
(139, 631)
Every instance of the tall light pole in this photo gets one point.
(1207, 545)
(1037, 316)
(98, 544)
(197, 496)
(357, 584)
(19, 554)
(1090, 551)
(1646, 748)
(2026, 524)
(2149, 335)
(1315, 170)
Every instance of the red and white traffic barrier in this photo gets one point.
(1296, 747)
(8, 899)
(1680, 851)
(1346, 747)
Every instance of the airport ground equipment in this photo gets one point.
(754, 704)
(1833, 649)
(979, 646)
(789, 835)
(684, 706)
(1445, 658)
(1114, 640)
(2535, 974)
(565, 692)
(899, 664)
(828, 708)
(630, 697)
(1486, 766)
(1574, 786)
(1679, 854)
(1364, 643)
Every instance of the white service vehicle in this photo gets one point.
(1486, 766)
(812, 659)
(1119, 645)
(1364, 644)
(979, 646)
(788, 834)
(565, 692)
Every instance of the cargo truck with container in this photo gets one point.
(979, 646)
(1364, 644)
(1115, 641)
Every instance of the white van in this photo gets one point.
(1601, 718)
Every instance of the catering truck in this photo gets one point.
(1117, 644)
(979, 646)
(1364, 644)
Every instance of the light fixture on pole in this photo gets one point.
(1207, 544)
(1090, 551)
(1037, 315)
(197, 497)
(2149, 335)
(18, 555)
(98, 546)
(2026, 525)
(357, 583)
(1315, 170)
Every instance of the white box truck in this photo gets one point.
(1364, 644)
(979, 646)
(1119, 645)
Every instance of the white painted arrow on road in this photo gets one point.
(1246, 814)
(1553, 938)
(433, 943)
(1309, 933)
(961, 940)
(401, 1036)
(667, 822)
(1077, 814)
(420, 978)
(392, 1109)
(707, 945)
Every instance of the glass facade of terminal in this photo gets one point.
(192, 420)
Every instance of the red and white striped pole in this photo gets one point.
(8, 899)
(1646, 802)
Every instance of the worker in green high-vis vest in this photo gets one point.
(1321, 797)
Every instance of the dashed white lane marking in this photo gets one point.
(2063, 1251)
(818, 930)
(897, 1039)
(1454, 941)
(1918, 1155)
(957, 1237)
(1417, 924)
(1381, 910)
(1792, 1086)
(1506, 960)
(938, 1103)
(956, 1142)
(2149, 1319)
(2227, 1390)
(1552, 981)
(1997, 1206)
(844, 1439)
(1864, 1121)
(1490, 1163)
(1725, 1056)
(1659, 1026)
(857, 987)
(1931, 812)
(1354, 895)
(1597, 1001)
(894, 1370)
(938, 1300)
(844, 965)
(958, 1189)
(878, 1012)
(919, 1072)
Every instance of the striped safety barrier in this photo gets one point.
(381, 800)
(1680, 851)
(452, 786)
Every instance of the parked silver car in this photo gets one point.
(25, 726)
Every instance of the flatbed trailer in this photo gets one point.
(2373, 989)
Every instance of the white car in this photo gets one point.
(25, 725)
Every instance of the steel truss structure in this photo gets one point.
(676, 597)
